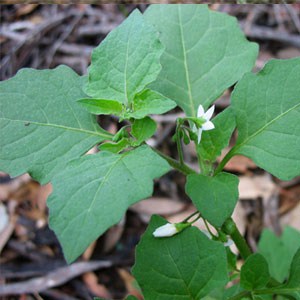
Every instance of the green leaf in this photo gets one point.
(143, 129)
(206, 52)
(215, 197)
(126, 61)
(130, 297)
(267, 109)
(286, 246)
(295, 272)
(92, 193)
(214, 141)
(102, 107)
(255, 273)
(186, 266)
(291, 289)
(149, 102)
(115, 147)
(42, 125)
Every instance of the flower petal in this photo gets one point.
(199, 135)
(165, 230)
(207, 116)
(208, 125)
(200, 111)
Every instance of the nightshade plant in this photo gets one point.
(173, 55)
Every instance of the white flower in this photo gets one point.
(207, 124)
(165, 230)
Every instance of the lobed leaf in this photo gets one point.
(92, 193)
(186, 266)
(267, 109)
(42, 125)
(215, 197)
(206, 52)
(126, 61)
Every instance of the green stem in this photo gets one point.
(190, 216)
(225, 160)
(179, 145)
(229, 227)
(240, 295)
(183, 168)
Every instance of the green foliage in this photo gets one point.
(215, 197)
(149, 102)
(92, 193)
(255, 273)
(184, 53)
(267, 109)
(143, 129)
(125, 62)
(206, 53)
(187, 265)
(102, 107)
(214, 141)
(42, 126)
(279, 251)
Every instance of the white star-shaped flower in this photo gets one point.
(205, 117)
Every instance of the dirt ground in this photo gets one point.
(45, 36)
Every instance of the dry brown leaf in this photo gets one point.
(96, 288)
(256, 187)
(129, 281)
(113, 235)
(157, 205)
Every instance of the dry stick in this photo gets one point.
(64, 36)
(52, 279)
(266, 33)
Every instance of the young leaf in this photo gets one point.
(267, 109)
(102, 107)
(92, 193)
(206, 52)
(143, 129)
(255, 272)
(186, 266)
(279, 261)
(214, 141)
(126, 61)
(115, 147)
(42, 125)
(149, 102)
(215, 197)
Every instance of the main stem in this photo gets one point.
(181, 167)
(230, 228)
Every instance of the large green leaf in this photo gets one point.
(126, 61)
(206, 53)
(255, 272)
(42, 125)
(279, 251)
(267, 109)
(93, 193)
(214, 141)
(185, 266)
(215, 197)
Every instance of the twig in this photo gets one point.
(52, 279)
